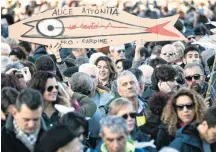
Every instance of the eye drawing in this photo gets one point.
(50, 27)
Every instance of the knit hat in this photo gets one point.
(70, 71)
(45, 63)
(55, 138)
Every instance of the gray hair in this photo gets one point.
(119, 104)
(12, 42)
(5, 49)
(82, 83)
(115, 124)
(81, 60)
(88, 66)
(194, 64)
(125, 73)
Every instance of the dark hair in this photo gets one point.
(157, 61)
(157, 102)
(137, 72)
(127, 64)
(179, 25)
(8, 97)
(201, 29)
(10, 80)
(144, 52)
(74, 121)
(26, 46)
(39, 80)
(31, 67)
(31, 98)
(19, 52)
(45, 63)
(210, 116)
(163, 73)
(191, 48)
(111, 66)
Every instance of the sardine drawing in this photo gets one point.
(93, 27)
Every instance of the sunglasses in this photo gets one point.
(181, 107)
(195, 76)
(132, 115)
(50, 88)
(119, 51)
(189, 38)
(168, 54)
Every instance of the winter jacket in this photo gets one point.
(10, 143)
(188, 140)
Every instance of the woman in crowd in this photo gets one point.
(124, 108)
(46, 83)
(185, 107)
(17, 54)
(107, 71)
(123, 64)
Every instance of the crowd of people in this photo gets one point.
(134, 97)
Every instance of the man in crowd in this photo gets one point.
(192, 54)
(195, 78)
(25, 127)
(198, 137)
(128, 87)
(168, 53)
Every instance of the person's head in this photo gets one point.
(157, 102)
(8, 99)
(190, 35)
(10, 80)
(78, 52)
(123, 108)
(76, 123)
(164, 74)
(17, 54)
(60, 139)
(123, 64)
(180, 47)
(117, 52)
(194, 75)
(91, 70)
(156, 62)
(144, 53)
(168, 53)
(192, 54)
(31, 67)
(64, 94)
(114, 133)
(82, 83)
(5, 49)
(45, 63)
(106, 68)
(208, 126)
(69, 72)
(28, 110)
(140, 78)
(95, 56)
(147, 71)
(81, 60)
(156, 51)
(184, 107)
(127, 85)
(13, 43)
(46, 83)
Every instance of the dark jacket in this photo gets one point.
(9, 141)
(188, 140)
(87, 107)
(163, 137)
(39, 51)
(151, 126)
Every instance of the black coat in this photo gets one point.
(151, 126)
(9, 142)
(188, 140)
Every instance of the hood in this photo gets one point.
(129, 147)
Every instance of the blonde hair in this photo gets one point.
(118, 104)
(169, 115)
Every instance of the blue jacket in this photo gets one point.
(188, 140)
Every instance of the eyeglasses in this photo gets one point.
(50, 88)
(168, 54)
(181, 107)
(132, 115)
(195, 76)
(119, 51)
